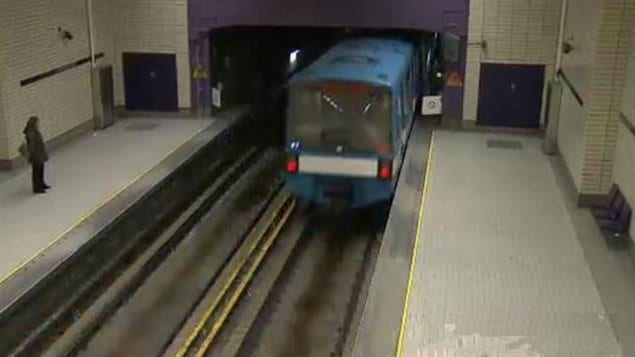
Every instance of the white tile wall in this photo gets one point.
(624, 168)
(474, 57)
(581, 30)
(516, 31)
(31, 45)
(3, 130)
(571, 134)
(628, 101)
(604, 100)
(152, 26)
(602, 37)
(104, 29)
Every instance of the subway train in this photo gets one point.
(348, 118)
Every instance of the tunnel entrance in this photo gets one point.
(249, 65)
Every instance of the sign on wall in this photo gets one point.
(432, 105)
(216, 97)
(454, 80)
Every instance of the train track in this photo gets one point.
(302, 300)
(165, 253)
(234, 279)
(226, 265)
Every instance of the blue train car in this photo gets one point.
(349, 116)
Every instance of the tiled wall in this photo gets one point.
(628, 99)
(104, 29)
(596, 71)
(31, 45)
(581, 31)
(152, 26)
(515, 31)
(3, 130)
(571, 134)
(624, 169)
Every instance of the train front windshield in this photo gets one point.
(355, 118)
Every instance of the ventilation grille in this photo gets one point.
(504, 144)
(142, 127)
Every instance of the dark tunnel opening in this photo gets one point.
(250, 64)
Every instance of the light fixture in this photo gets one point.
(293, 56)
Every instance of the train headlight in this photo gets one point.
(294, 145)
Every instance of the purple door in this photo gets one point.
(150, 82)
(510, 95)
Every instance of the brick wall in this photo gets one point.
(596, 68)
(624, 169)
(104, 29)
(571, 134)
(3, 130)
(581, 31)
(515, 31)
(152, 26)
(628, 99)
(31, 45)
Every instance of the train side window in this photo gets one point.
(410, 86)
(405, 112)
(410, 83)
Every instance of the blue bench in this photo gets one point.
(615, 214)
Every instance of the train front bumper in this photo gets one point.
(323, 189)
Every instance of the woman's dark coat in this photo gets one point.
(35, 144)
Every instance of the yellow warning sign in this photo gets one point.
(200, 73)
(454, 80)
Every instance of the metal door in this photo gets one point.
(150, 81)
(511, 95)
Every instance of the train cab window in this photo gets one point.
(322, 118)
(355, 59)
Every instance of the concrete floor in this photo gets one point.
(506, 262)
(84, 174)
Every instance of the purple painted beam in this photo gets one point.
(431, 15)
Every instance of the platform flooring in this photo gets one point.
(501, 269)
(84, 175)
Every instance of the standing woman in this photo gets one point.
(37, 154)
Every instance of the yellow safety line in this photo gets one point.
(415, 253)
(92, 211)
(243, 283)
(232, 276)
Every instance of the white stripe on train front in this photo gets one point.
(334, 165)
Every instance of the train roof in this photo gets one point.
(371, 60)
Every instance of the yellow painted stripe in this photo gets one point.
(243, 283)
(227, 284)
(415, 253)
(92, 211)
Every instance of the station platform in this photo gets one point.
(497, 259)
(93, 179)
